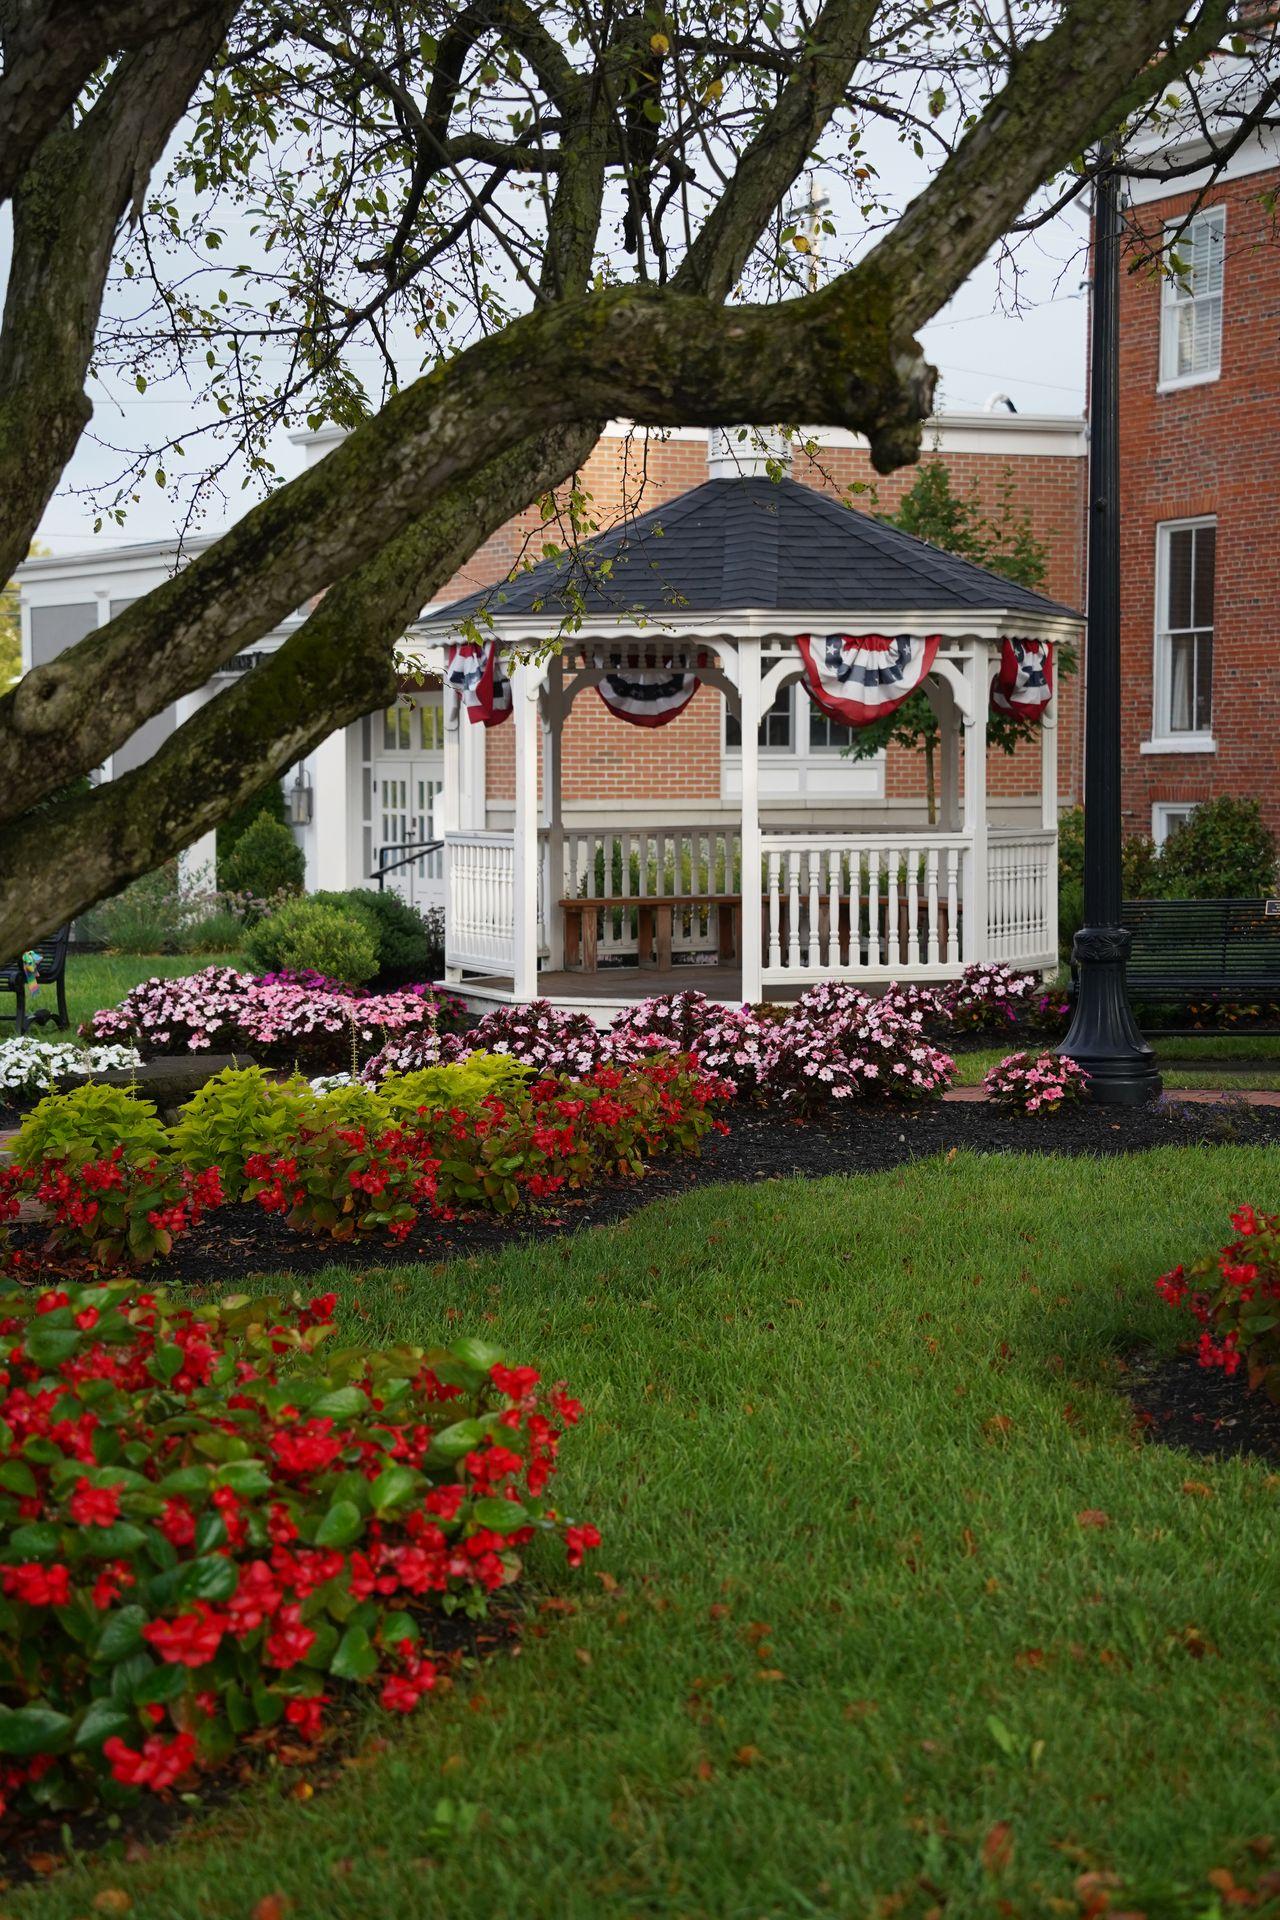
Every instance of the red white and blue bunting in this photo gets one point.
(475, 677)
(1023, 686)
(863, 678)
(647, 696)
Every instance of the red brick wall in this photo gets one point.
(1207, 449)
(604, 759)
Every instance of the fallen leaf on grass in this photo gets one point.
(747, 1757)
(999, 1423)
(111, 1900)
(1029, 1657)
(272, 1906)
(1093, 1517)
(1198, 1488)
(997, 1847)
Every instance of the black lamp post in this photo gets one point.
(1103, 1036)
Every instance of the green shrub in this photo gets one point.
(399, 930)
(236, 1113)
(1140, 870)
(145, 918)
(464, 1084)
(311, 935)
(87, 1124)
(269, 799)
(265, 860)
(1222, 851)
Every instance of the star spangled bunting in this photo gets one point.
(1023, 685)
(859, 679)
(647, 696)
(475, 676)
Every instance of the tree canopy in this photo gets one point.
(535, 219)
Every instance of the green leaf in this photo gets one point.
(50, 1346)
(356, 1658)
(35, 1542)
(452, 1442)
(249, 1477)
(342, 1524)
(122, 1633)
(17, 1477)
(185, 1480)
(115, 1542)
(342, 1403)
(502, 1516)
(33, 1730)
(393, 1487)
(161, 1685)
(397, 1627)
(104, 1720)
(478, 1353)
(1002, 1736)
(167, 1361)
(213, 1577)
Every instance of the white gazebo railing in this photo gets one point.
(645, 863)
(480, 908)
(871, 906)
(1022, 897)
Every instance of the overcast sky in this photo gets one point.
(1027, 342)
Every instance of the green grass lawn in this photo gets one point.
(846, 1621)
(1253, 1061)
(96, 980)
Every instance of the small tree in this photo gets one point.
(1004, 543)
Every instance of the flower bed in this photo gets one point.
(1036, 1082)
(227, 1526)
(1234, 1296)
(279, 1018)
(119, 1187)
(30, 1066)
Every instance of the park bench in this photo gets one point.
(655, 918)
(1182, 948)
(51, 969)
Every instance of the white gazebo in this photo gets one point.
(716, 592)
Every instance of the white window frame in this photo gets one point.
(1174, 296)
(1163, 738)
(1165, 814)
(801, 771)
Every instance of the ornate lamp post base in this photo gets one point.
(1103, 1037)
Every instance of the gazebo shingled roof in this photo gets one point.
(752, 542)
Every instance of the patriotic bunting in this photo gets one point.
(1023, 686)
(650, 696)
(477, 681)
(859, 680)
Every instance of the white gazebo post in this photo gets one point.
(553, 806)
(975, 803)
(1049, 813)
(751, 955)
(451, 812)
(524, 910)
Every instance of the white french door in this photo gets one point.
(408, 787)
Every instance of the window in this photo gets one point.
(1166, 815)
(1186, 558)
(397, 722)
(776, 730)
(1191, 310)
(431, 721)
(826, 734)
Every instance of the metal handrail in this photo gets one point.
(411, 849)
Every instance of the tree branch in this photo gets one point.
(65, 214)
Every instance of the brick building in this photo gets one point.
(1199, 426)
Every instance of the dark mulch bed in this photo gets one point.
(32, 1849)
(762, 1144)
(1182, 1404)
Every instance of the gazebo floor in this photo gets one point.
(603, 993)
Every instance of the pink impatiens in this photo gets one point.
(1036, 1082)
